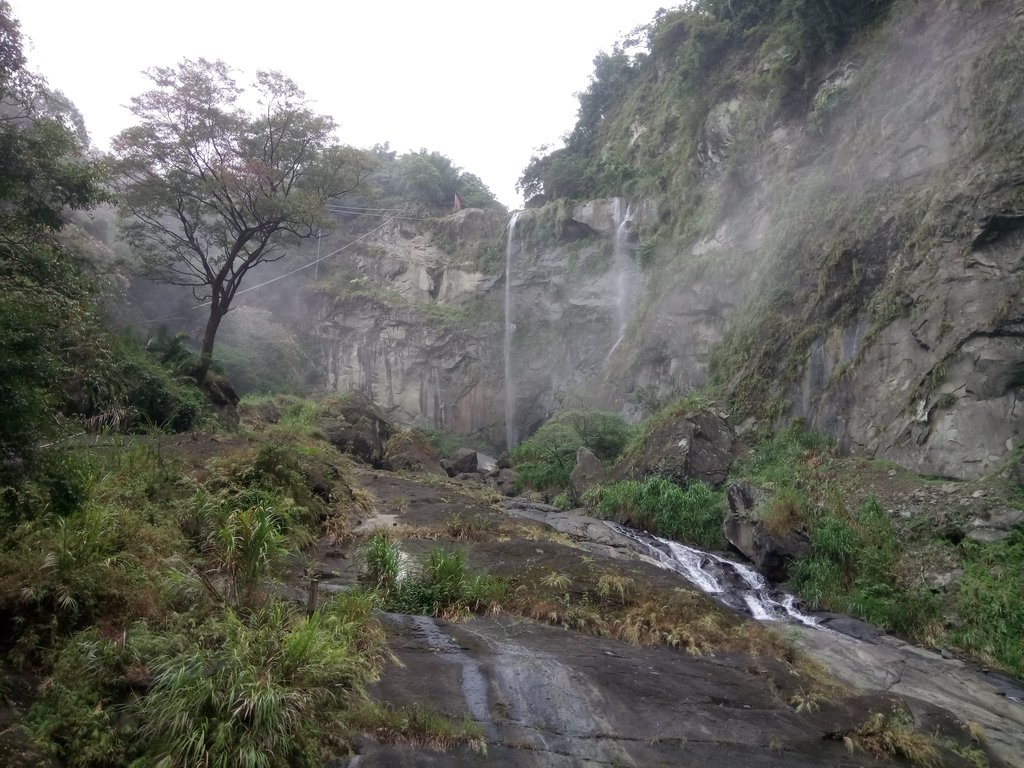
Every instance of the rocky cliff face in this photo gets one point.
(408, 321)
(412, 323)
(858, 264)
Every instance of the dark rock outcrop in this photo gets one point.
(409, 450)
(770, 551)
(222, 396)
(697, 445)
(546, 698)
(468, 460)
(356, 426)
(587, 473)
(505, 481)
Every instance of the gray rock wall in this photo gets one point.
(896, 240)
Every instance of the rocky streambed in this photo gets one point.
(547, 696)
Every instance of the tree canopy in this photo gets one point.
(209, 189)
(429, 180)
(45, 314)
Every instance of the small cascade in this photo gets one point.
(734, 584)
(511, 438)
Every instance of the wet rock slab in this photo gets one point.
(876, 661)
(551, 698)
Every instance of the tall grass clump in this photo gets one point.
(271, 691)
(269, 688)
(777, 463)
(442, 584)
(659, 506)
(854, 566)
(989, 602)
(888, 735)
(240, 539)
(383, 563)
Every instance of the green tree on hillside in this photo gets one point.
(45, 314)
(208, 190)
(428, 179)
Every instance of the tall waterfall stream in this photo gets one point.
(510, 391)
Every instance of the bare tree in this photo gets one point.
(208, 190)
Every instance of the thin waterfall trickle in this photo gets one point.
(623, 265)
(510, 391)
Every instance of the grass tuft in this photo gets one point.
(693, 515)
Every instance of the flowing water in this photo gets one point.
(510, 392)
(624, 271)
(736, 585)
(474, 684)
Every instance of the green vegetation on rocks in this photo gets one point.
(692, 515)
(706, 51)
(439, 586)
(545, 459)
(866, 561)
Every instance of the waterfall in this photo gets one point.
(736, 585)
(510, 392)
(624, 269)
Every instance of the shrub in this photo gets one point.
(133, 391)
(47, 326)
(80, 714)
(693, 515)
(545, 460)
(54, 481)
(66, 572)
(288, 415)
(267, 691)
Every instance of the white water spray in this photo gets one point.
(510, 391)
(737, 585)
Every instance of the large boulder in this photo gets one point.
(223, 399)
(410, 450)
(356, 426)
(588, 472)
(695, 445)
(995, 524)
(468, 460)
(505, 482)
(772, 552)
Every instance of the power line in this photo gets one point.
(282, 276)
(338, 209)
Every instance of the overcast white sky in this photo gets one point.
(485, 84)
